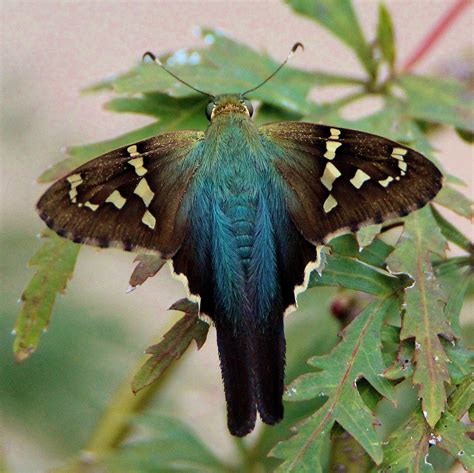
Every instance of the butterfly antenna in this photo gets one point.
(293, 50)
(150, 56)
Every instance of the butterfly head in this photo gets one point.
(228, 103)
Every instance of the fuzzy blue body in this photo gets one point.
(238, 254)
(235, 205)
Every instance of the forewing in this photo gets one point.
(339, 179)
(132, 198)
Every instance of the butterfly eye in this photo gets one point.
(249, 106)
(209, 109)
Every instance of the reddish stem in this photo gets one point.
(435, 34)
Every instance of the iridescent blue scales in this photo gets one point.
(240, 211)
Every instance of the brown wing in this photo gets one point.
(339, 179)
(132, 198)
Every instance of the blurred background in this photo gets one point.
(49, 51)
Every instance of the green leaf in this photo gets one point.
(177, 113)
(386, 35)
(461, 360)
(450, 232)
(354, 274)
(445, 101)
(227, 66)
(170, 445)
(365, 236)
(455, 201)
(147, 267)
(175, 342)
(424, 318)
(357, 356)
(55, 262)
(407, 448)
(339, 17)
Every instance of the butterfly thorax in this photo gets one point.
(229, 104)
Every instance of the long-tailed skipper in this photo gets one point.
(240, 212)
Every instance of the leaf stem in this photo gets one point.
(435, 34)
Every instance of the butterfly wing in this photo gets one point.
(339, 179)
(132, 198)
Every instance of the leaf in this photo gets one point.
(407, 448)
(455, 201)
(226, 66)
(55, 262)
(365, 236)
(182, 112)
(456, 295)
(446, 101)
(424, 318)
(450, 232)
(339, 17)
(357, 356)
(175, 342)
(170, 445)
(461, 360)
(353, 274)
(147, 267)
(386, 35)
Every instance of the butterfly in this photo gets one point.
(241, 212)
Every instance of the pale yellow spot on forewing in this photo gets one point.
(329, 203)
(143, 190)
(331, 173)
(117, 199)
(399, 151)
(74, 180)
(331, 147)
(73, 194)
(386, 182)
(402, 165)
(137, 163)
(359, 178)
(132, 150)
(92, 206)
(149, 220)
(334, 133)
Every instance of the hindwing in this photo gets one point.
(132, 198)
(339, 179)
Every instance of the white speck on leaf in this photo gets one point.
(417, 346)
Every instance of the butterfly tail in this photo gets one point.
(237, 374)
(269, 369)
(253, 368)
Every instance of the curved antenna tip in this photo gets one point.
(296, 46)
(150, 57)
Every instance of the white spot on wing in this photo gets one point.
(386, 182)
(117, 199)
(148, 219)
(329, 203)
(143, 190)
(331, 173)
(331, 147)
(359, 178)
